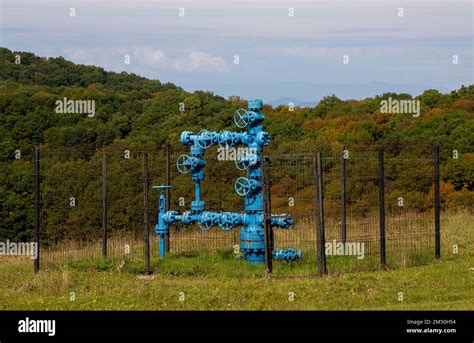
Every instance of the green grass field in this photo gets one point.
(219, 282)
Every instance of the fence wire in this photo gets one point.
(99, 202)
(408, 203)
(292, 181)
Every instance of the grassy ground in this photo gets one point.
(192, 282)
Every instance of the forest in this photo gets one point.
(131, 110)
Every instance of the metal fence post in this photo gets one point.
(437, 204)
(146, 220)
(343, 197)
(104, 204)
(267, 212)
(383, 260)
(168, 191)
(37, 208)
(321, 241)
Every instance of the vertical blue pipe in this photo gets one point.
(198, 191)
(162, 227)
(162, 246)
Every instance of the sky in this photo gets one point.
(284, 49)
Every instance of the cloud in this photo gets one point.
(150, 57)
(199, 61)
(194, 61)
(331, 53)
(78, 54)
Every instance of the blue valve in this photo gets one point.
(245, 160)
(206, 139)
(244, 118)
(207, 220)
(255, 105)
(186, 164)
(228, 139)
(244, 186)
(262, 138)
(186, 137)
(283, 221)
(241, 118)
(252, 245)
(287, 254)
(161, 228)
(229, 220)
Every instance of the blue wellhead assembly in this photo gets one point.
(252, 245)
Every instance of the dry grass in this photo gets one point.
(216, 283)
(407, 235)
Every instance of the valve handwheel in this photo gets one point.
(225, 222)
(206, 226)
(183, 165)
(226, 139)
(243, 163)
(242, 186)
(241, 118)
(204, 139)
(206, 221)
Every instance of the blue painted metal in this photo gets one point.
(251, 222)
(162, 228)
(287, 254)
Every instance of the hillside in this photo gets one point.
(133, 109)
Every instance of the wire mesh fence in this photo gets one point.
(92, 201)
(70, 203)
(193, 250)
(293, 188)
(378, 203)
(377, 208)
(17, 206)
(218, 194)
(410, 201)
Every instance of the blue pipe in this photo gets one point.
(252, 232)
(198, 191)
(162, 246)
(162, 228)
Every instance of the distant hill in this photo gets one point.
(295, 102)
(307, 93)
(131, 107)
(132, 110)
(56, 71)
